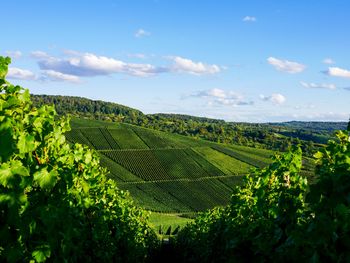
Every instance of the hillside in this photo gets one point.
(273, 136)
(168, 172)
(78, 106)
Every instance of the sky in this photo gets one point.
(250, 61)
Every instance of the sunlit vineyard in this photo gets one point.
(127, 138)
(166, 172)
(226, 163)
(246, 157)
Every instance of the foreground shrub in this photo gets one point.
(327, 236)
(55, 200)
(261, 216)
(269, 219)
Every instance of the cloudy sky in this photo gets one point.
(253, 61)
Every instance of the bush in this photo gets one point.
(327, 236)
(269, 219)
(55, 200)
(261, 216)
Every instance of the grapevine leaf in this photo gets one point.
(18, 168)
(4, 62)
(318, 155)
(7, 198)
(5, 174)
(46, 179)
(41, 254)
(6, 139)
(26, 143)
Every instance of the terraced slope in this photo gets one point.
(165, 172)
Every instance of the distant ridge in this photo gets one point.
(312, 125)
(273, 136)
(72, 105)
(186, 117)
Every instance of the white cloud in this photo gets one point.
(88, 65)
(285, 65)
(322, 116)
(58, 76)
(222, 97)
(249, 19)
(338, 72)
(137, 55)
(328, 61)
(39, 55)
(275, 98)
(14, 54)
(318, 86)
(196, 68)
(142, 33)
(17, 73)
(303, 107)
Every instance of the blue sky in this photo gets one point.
(253, 61)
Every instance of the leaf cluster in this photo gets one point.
(55, 200)
(276, 217)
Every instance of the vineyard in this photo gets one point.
(167, 172)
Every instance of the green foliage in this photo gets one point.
(328, 233)
(275, 217)
(55, 200)
(4, 62)
(259, 219)
(83, 107)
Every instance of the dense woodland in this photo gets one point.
(274, 136)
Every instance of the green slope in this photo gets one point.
(167, 172)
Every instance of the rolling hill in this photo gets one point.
(167, 172)
(273, 136)
(164, 170)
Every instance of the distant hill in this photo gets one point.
(312, 125)
(172, 116)
(273, 136)
(85, 107)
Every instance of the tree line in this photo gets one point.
(278, 136)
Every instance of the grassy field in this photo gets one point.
(161, 222)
